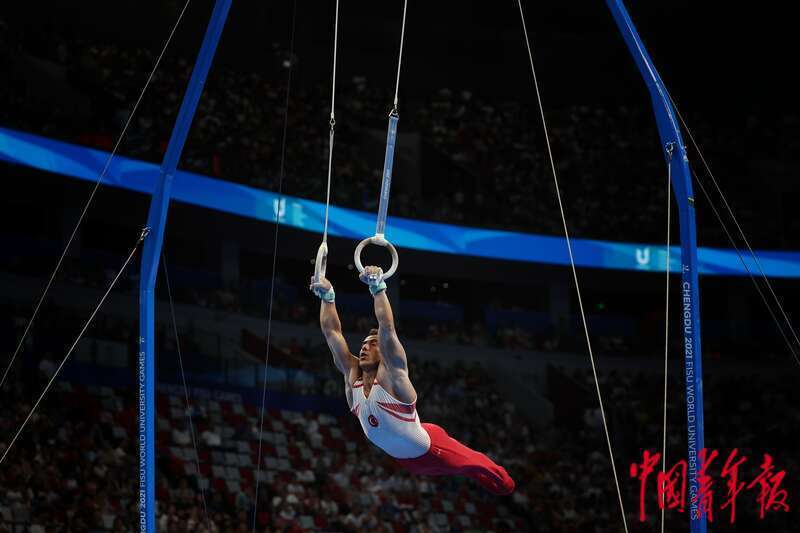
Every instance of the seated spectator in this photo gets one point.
(181, 436)
(211, 438)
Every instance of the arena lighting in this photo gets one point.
(86, 164)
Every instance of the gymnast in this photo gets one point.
(379, 392)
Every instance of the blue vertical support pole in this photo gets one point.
(156, 222)
(675, 153)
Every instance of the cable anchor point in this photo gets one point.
(145, 233)
(670, 148)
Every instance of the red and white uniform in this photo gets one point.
(388, 423)
(424, 449)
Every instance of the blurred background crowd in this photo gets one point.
(483, 158)
(73, 467)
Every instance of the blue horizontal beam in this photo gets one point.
(85, 164)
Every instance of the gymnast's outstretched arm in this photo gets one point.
(392, 351)
(332, 326)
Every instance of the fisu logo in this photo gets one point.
(643, 257)
(372, 421)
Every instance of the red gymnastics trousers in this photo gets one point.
(448, 457)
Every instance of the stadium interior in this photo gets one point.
(496, 347)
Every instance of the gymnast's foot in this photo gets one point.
(496, 480)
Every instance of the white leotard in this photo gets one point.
(388, 423)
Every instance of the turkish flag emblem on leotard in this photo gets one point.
(372, 421)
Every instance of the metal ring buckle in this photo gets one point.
(379, 241)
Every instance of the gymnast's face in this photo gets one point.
(370, 355)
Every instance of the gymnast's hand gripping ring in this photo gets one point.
(378, 240)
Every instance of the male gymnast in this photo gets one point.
(379, 392)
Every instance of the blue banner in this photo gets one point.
(86, 164)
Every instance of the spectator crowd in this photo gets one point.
(75, 466)
(612, 173)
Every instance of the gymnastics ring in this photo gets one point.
(321, 263)
(377, 240)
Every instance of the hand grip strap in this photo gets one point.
(321, 263)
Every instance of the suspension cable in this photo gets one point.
(185, 392)
(386, 178)
(747, 268)
(400, 58)
(744, 238)
(670, 150)
(332, 120)
(91, 198)
(275, 255)
(572, 264)
(142, 236)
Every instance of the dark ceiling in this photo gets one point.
(712, 55)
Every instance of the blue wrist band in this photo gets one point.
(375, 289)
(327, 296)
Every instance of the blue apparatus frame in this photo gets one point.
(156, 222)
(675, 153)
